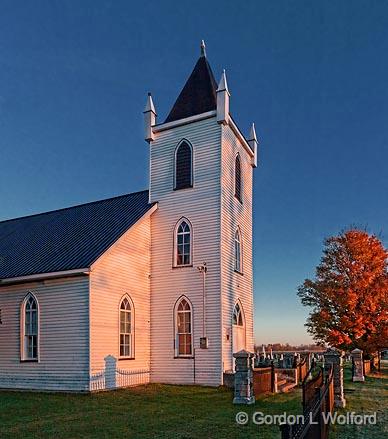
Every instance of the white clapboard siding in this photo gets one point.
(123, 269)
(64, 334)
(235, 214)
(201, 205)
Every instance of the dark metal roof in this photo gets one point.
(69, 238)
(198, 95)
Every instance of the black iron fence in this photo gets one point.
(318, 403)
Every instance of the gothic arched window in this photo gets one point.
(183, 328)
(29, 328)
(238, 318)
(183, 243)
(237, 178)
(237, 251)
(127, 322)
(183, 166)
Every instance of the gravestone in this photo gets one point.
(358, 365)
(308, 360)
(256, 361)
(281, 361)
(334, 357)
(243, 378)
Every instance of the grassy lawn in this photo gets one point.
(162, 411)
(153, 411)
(365, 398)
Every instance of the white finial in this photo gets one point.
(203, 48)
(149, 105)
(149, 119)
(252, 133)
(223, 100)
(252, 141)
(223, 84)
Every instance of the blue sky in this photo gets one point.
(311, 75)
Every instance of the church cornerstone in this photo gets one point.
(358, 365)
(243, 378)
(333, 357)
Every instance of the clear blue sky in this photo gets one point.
(312, 75)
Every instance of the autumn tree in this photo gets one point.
(349, 295)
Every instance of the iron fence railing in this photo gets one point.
(316, 407)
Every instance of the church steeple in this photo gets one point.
(198, 94)
(201, 179)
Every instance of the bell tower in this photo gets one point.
(201, 170)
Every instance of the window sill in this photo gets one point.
(239, 272)
(182, 266)
(125, 358)
(238, 199)
(183, 188)
(29, 360)
(184, 357)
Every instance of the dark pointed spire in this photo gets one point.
(199, 93)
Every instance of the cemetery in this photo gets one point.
(320, 378)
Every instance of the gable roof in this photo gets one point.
(67, 239)
(198, 95)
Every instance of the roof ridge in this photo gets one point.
(211, 74)
(72, 207)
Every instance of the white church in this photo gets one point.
(152, 286)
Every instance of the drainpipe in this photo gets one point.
(203, 270)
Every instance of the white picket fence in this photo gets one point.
(97, 381)
(113, 379)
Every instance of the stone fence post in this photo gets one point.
(358, 365)
(243, 378)
(110, 372)
(334, 357)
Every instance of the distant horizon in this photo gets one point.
(313, 79)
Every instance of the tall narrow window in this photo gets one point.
(184, 328)
(238, 330)
(183, 166)
(237, 316)
(237, 178)
(126, 328)
(237, 251)
(183, 243)
(29, 325)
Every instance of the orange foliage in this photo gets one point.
(349, 295)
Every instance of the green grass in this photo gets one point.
(162, 411)
(153, 411)
(365, 398)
